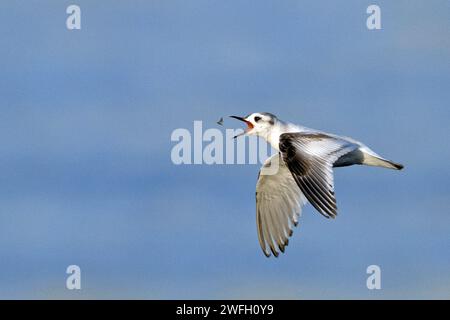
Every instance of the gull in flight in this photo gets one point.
(301, 172)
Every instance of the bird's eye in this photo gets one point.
(257, 119)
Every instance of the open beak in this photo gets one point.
(249, 126)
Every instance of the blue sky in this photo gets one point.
(86, 174)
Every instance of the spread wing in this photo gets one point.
(310, 157)
(278, 205)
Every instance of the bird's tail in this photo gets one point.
(371, 160)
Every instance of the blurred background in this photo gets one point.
(87, 178)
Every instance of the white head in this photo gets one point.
(259, 123)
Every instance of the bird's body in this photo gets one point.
(301, 172)
(362, 154)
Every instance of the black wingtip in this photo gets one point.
(398, 166)
(274, 252)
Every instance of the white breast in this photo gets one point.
(273, 138)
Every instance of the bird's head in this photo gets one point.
(258, 124)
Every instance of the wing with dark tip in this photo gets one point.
(278, 205)
(310, 158)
